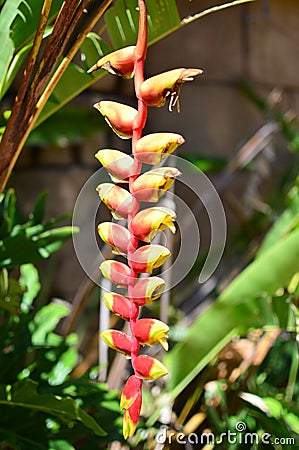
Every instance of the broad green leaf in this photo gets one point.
(244, 304)
(24, 394)
(45, 322)
(25, 24)
(122, 21)
(75, 79)
(8, 14)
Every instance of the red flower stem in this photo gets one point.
(139, 124)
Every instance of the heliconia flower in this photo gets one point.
(121, 62)
(114, 235)
(116, 272)
(151, 185)
(155, 91)
(118, 116)
(119, 165)
(117, 199)
(147, 290)
(150, 332)
(118, 304)
(149, 222)
(130, 392)
(148, 368)
(155, 147)
(118, 340)
(149, 257)
(130, 401)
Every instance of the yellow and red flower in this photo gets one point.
(130, 401)
(155, 147)
(118, 116)
(119, 341)
(148, 368)
(117, 199)
(119, 165)
(149, 257)
(147, 290)
(114, 235)
(151, 185)
(118, 304)
(149, 222)
(151, 332)
(121, 62)
(116, 272)
(155, 91)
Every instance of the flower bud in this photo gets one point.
(116, 272)
(149, 257)
(114, 235)
(118, 304)
(118, 116)
(118, 340)
(149, 222)
(151, 332)
(148, 368)
(155, 91)
(121, 62)
(130, 401)
(151, 185)
(130, 392)
(119, 165)
(117, 199)
(155, 147)
(147, 290)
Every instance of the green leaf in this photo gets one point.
(245, 303)
(65, 365)
(122, 21)
(37, 216)
(293, 421)
(29, 281)
(75, 79)
(24, 394)
(288, 220)
(45, 321)
(8, 14)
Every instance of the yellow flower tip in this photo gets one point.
(164, 344)
(129, 427)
